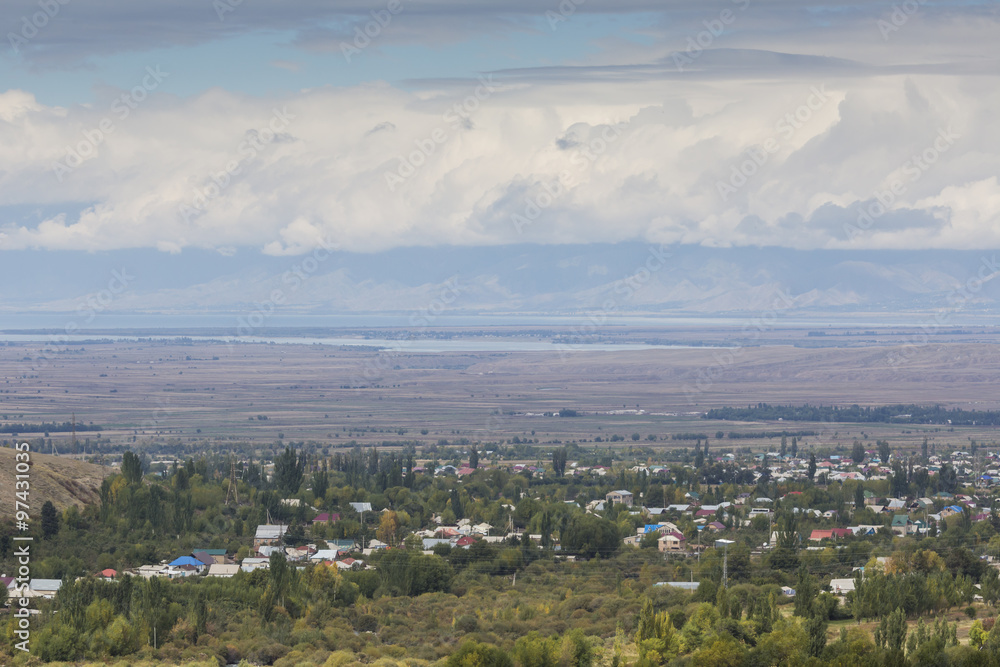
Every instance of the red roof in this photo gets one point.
(109, 573)
(464, 541)
(326, 516)
(676, 535)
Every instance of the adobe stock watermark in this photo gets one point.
(900, 15)
(957, 300)
(565, 9)
(121, 108)
(714, 28)
(246, 153)
(223, 7)
(624, 289)
(740, 174)
(455, 116)
(912, 171)
(372, 30)
(423, 318)
(754, 327)
(535, 205)
(30, 26)
(292, 280)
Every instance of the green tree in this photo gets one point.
(588, 535)
(474, 654)
(131, 468)
(473, 458)
(812, 467)
(884, 453)
(858, 452)
(288, 471)
(50, 520)
(655, 636)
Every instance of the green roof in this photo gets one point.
(210, 552)
(900, 520)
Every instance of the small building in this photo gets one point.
(620, 496)
(222, 570)
(326, 517)
(217, 555)
(901, 525)
(268, 535)
(671, 542)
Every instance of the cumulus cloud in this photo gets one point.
(793, 160)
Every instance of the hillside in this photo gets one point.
(64, 481)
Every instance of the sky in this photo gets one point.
(277, 127)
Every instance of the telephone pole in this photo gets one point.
(725, 566)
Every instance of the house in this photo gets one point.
(901, 525)
(38, 588)
(672, 541)
(361, 507)
(787, 591)
(350, 564)
(268, 535)
(203, 558)
(222, 570)
(716, 526)
(841, 586)
(217, 555)
(188, 563)
(326, 517)
(323, 554)
(342, 544)
(251, 564)
(108, 574)
(620, 496)
(830, 534)
(465, 542)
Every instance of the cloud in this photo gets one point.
(751, 148)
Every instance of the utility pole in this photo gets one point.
(725, 566)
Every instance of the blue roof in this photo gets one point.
(187, 560)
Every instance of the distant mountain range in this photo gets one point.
(618, 279)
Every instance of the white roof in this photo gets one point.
(270, 532)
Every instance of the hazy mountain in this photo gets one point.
(524, 279)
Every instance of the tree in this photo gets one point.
(655, 637)
(795, 447)
(858, 452)
(131, 468)
(473, 458)
(50, 520)
(812, 466)
(805, 591)
(816, 630)
(388, 528)
(859, 497)
(559, 457)
(883, 451)
(288, 473)
(320, 483)
(948, 478)
(589, 535)
(474, 654)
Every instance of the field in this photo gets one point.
(198, 390)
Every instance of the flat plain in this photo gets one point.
(200, 390)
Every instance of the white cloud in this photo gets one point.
(578, 161)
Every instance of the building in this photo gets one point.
(268, 535)
(620, 496)
(672, 541)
